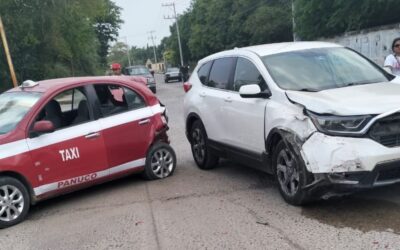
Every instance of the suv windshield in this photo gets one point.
(13, 108)
(138, 71)
(320, 69)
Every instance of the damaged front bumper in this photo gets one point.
(344, 163)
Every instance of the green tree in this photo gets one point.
(326, 18)
(209, 26)
(60, 38)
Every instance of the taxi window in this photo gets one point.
(68, 108)
(114, 99)
(133, 99)
(110, 99)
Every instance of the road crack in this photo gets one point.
(155, 229)
(262, 221)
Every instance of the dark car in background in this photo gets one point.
(140, 70)
(172, 74)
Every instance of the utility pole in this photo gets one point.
(154, 45)
(177, 27)
(7, 52)
(295, 38)
(127, 50)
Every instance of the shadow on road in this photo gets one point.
(364, 211)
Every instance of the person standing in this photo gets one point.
(392, 61)
(184, 72)
(116, 69)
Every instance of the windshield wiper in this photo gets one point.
(357, 83)
(309, 90)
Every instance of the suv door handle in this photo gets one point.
(202, 94)
(92, 135)
(144, 121)
(228, 99)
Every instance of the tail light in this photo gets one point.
(187, 86)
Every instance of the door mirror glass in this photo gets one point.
(43, 127)
(253, 91)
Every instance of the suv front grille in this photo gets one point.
(386, 131)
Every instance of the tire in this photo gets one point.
(291, 174)
(14, 202)
(160, 162)
(166, 80)
(202, 155)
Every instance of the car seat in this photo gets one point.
(83, 113)
(54, 114)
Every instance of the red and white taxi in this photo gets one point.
(60, 135)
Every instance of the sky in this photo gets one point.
(142, 16)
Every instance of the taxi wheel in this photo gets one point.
(14, 202)
(160, 162)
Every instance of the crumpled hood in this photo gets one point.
(366, 99)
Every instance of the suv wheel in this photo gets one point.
(291, 175)
(160, 162)
(200, 150)
(14, 202)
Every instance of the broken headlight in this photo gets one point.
(340, 125)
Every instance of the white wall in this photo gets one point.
(373, 43)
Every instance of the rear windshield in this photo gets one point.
(172, 69)
(13, 108)
(138, 71)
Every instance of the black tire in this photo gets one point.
(166, 80)
(202, 155)
(160, 162)
(291, 181)
(7, 185)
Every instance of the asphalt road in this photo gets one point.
(230, 207)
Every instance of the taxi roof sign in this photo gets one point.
(28, 84)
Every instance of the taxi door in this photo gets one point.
(126, 122)
(74, 154)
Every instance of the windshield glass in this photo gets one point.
(13, 108)
(320, 69)
(138, 71)
(172, 70)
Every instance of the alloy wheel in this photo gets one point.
(287, 172)
(198, 145)
(11, 203)
(162, 163)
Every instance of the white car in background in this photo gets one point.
(172, 74)
(320, 117)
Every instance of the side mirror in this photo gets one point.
(253, 91)
(42, 127)
(387, 69)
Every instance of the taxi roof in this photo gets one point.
(54, 84)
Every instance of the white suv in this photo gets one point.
(320, 117)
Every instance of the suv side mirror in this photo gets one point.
(253, 91)
(42, 127)
(387, 69)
